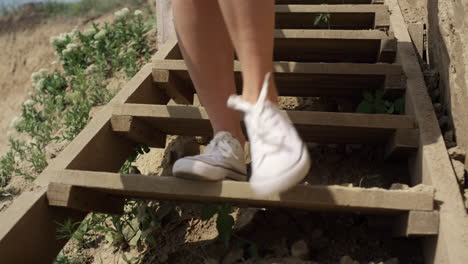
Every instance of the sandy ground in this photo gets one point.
(26, 49)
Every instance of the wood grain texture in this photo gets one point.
(417, 223)
(313, 197)
(138, 131)
(84, 199)
(312, 126)
(341, 17)
(314, 79)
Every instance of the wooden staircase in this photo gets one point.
(354, 52)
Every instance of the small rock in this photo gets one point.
(448, 135)
(293, 260)
(457, 153)
(438, 107)
(392, 261)
(300, 250)
(316, 234)
(346, 260)
(233, 256)
(465, 193)
(435, 94)
(211, 261)
(443, 121)
(459, 169)
(399, 186)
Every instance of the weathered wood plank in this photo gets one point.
(431, 164)
(416, 32)
(315, 79)
(361, 46)
(341, 17)
(97, 147)
(167, 51)
(313, 126)
(417, 223)
(402, 143)
(175, 87)
(83, 199)
(313, 197)
(138, 131)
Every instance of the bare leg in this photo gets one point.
(251, 26)
(209, 54)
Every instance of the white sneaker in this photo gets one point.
(222, 158)
(280, 158)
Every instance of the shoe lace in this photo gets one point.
(221, 144)
(263, 122)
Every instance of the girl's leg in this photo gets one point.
(209, 54)
(251, 26)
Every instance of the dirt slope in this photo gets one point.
(25, 48)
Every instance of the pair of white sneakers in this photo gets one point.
(280, 158)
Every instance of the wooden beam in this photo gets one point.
(341, 17)
(167, 51)
(388, 49)
(431, 164)
(416, 32)
(313, 126)
(83, 199)
(95, 148)
(175, 87)
(417, 223)
(362, 46)
(138, 131)
(30, 223)
(314, 79)
(402, 143)
(313, 197)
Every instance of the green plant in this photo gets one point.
(377, 104)
(127, 167)
(136, 226)
(78, 231)
(323, 18)
(62, 259)
(224, 220)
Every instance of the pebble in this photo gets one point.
(233, 256)
(392, 261)
(443, 121)
(300, 250)
(435, 94)
(438, 107)
(316, 233)
(457, 153)
(399, 186)
(211, 261)
(459, 169)
(347, 260)
(465, 193)
(448, 135)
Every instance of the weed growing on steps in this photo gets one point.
(324, 18)
(377, 104)
(59, 107)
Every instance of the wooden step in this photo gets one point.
(359, 46)
(341, 17)
(363, 46)
(323, 127)
(329, 2)
(312, 197)
(296, 79)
